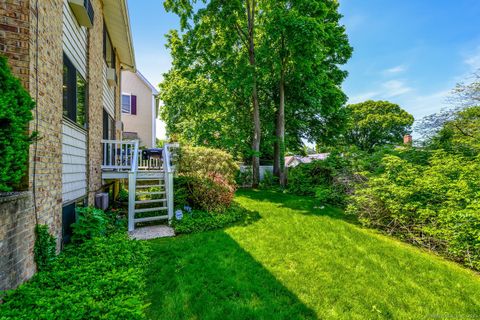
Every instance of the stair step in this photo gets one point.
(150, 209)
(150, 201)
(146, 193)
(150, 219)
(150, 186)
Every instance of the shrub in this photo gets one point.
(90, 223)
(15, 114)
(324, 179)
(123, 195)
(45, 248)
(102, 278)
(434, 205)
(206, 179)
(199, 221)
(212, 193)
(203, 162)
(269, 180)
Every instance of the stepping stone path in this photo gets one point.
(152, 232)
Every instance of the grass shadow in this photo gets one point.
(209, 276)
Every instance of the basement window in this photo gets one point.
(74, 94)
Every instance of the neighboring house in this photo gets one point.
(139, 109)
(89, 42)
(293, 161)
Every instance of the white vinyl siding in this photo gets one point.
(108, 94)
(74, 162)
(74, 40)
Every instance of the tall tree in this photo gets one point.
(377, 123)
(308, 44)
(220, 46)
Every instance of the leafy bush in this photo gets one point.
(102, 278)
(245, 178)
(206, 162)
(123, 195)
(324, 179)
(435, 205)
(269, 180)
(91, 223)
(212, 194)
(199, 221)
(15, 114)
(45, 248)
(206, 179)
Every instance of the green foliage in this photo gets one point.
(244, 178)
(123, 195)
(211, 193)
(323, 179)
(269, 181)
(199, 221)
(91, 223)
(220, 55)
(460, 134)
(15, 114)
(434, 205)
(45, 249)
(206, 179)
(205, 162)
(103, 278)
(376, 123)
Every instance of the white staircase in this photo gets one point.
(150, 190)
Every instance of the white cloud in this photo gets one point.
(363, 97)
(473, 59)
(394, 70)
(394, 88)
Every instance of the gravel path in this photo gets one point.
(152, 232)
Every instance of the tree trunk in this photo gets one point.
(256, 108)
(279, 147)
(280, 130)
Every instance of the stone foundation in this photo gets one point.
(17, 238)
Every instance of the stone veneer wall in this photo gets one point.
(24, 46)
(46, 83)
(17, 236)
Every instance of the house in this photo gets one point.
(139, 109)
(293, 161)
(69, 55)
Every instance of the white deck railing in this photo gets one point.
(119, 156)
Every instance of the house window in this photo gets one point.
(108, 51)
(108, 126)
(129, 104)
(74, 94)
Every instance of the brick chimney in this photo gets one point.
(407, 139)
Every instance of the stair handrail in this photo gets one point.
(134, 167)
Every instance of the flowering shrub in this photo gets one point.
(206, 179)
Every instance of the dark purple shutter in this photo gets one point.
(134, 104)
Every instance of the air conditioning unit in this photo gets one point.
(101, 201)
(119, 125)
(83, 11)
(111, 77)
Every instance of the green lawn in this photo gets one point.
(298, 262)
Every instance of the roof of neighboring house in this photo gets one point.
(118, 24)
(308, 159)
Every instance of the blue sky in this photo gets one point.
(411, 52)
